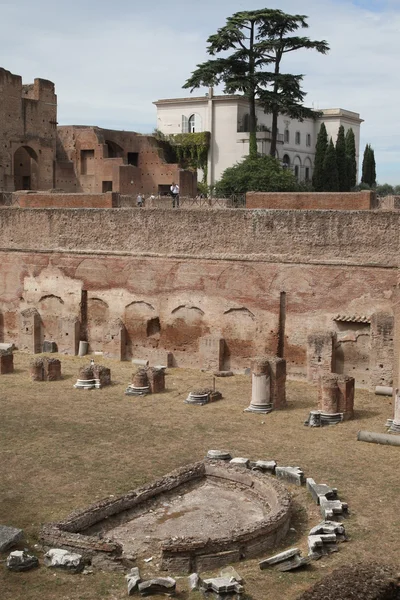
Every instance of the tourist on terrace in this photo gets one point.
(139, 200)
(175, 194)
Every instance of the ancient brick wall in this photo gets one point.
(95, 160)
(365, 200)
(173, 278)
(28, 121)
(57, 200)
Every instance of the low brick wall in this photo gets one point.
(62, 200)
(183, 554)
(365, 200)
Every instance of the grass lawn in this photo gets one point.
(62, 449)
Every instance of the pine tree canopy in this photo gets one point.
(256, 42)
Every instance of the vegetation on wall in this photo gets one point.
(250, 48)
(189, 150)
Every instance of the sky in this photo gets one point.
(111, 60)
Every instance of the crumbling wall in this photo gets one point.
(172, 279)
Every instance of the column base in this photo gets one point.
(259, 408)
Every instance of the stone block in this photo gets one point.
(133, 579)
(329, 508)
(194, 582)
(6, 362)
(219, 455)
(265, 466)
(292, 474)
(320, 355)
(19, 560)
(158, 585)
(9, 537)
(49, 346)
(62, 559)
(241, 462)
(156, 380)
(278, 558)
(320, 489)
(221, 585)
(211, 352)
(322, 544)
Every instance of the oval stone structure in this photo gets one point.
(197, 518)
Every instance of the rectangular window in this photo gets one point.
(287, 136)
(107, 186)
(297, 139)
(308, 139)
(133, 158)
(307, 173)
(296, 171)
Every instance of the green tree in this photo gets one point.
(369, 167)
(331, 176)
(341, 161)
(320, 152)
(351, 158)
(385, 189)
(253, 42)
(260, 174)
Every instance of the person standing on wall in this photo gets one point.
(175, 194)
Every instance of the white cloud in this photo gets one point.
(110, 62)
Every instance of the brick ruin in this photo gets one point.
(79, 531)
(35, 154)
(204, 288)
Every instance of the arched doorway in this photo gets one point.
(26, 169)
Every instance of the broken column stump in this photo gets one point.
(93, 376)
(335, 401)
(45, 369)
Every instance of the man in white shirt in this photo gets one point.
(175, 194)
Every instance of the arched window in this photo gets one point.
(194, 123)
(286, 161)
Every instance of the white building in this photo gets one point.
(227, 120)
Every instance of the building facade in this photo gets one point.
(227, 119)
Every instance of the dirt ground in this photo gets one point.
(62, 449)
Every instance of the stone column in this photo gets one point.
(328, 396)
(260, 387)
(395, 425)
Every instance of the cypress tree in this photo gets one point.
(351, 159)
(330, 172)
(365, 166)
(373, 168)
(341, 161)
(320, 151)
